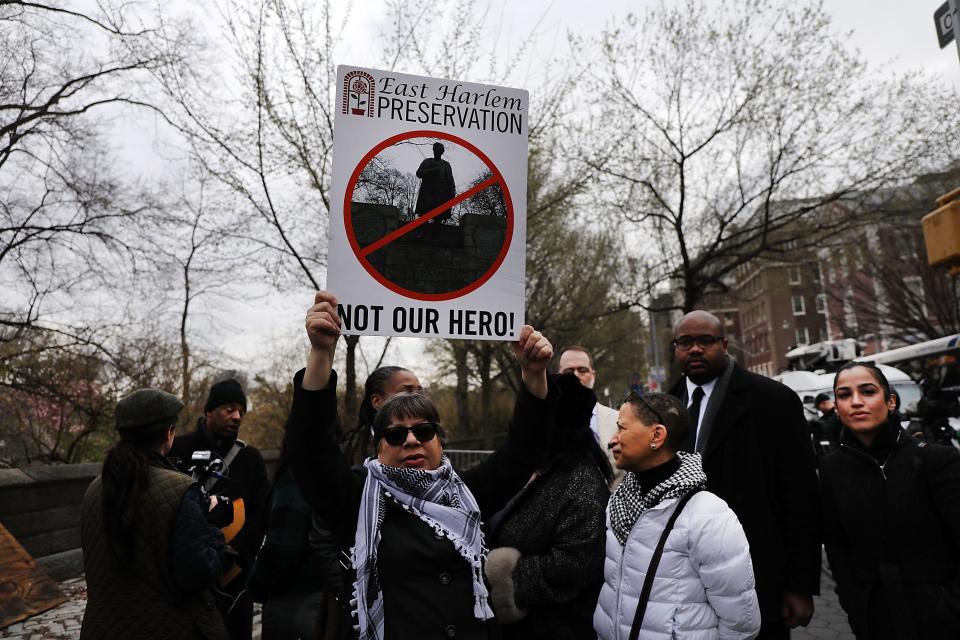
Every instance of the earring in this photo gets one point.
(653, 446)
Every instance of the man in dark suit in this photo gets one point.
(756, 452)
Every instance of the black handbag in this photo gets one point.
(654, 563)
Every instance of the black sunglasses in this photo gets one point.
(704, 341)
(633, 395)
(423, 432)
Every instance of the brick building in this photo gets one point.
(870, 283)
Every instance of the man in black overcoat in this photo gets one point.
(756, 453)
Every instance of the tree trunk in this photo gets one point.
(463, 384)
(484, 355)
(350, 405)
(185, 390)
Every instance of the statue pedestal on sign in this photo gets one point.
(433, 258)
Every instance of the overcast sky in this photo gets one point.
(896, 34)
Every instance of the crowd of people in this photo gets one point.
(698, 513)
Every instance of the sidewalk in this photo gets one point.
(829, 620)
(63, 622)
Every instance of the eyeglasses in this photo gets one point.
(705, 341)
(423, 432)
(633, 395)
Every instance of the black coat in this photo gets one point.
(759, 460)
(246, 478)
(826, 429)
(557, 524)
(892, 534)
(426, 585)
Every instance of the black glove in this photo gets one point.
(222, 514)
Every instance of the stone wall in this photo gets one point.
(40, 506)
(434, 258)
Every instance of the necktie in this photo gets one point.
(694, 410)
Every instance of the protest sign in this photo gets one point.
(428, 206)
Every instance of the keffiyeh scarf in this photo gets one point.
(629, 500)
(440, 499)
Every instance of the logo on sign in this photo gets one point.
(358, 90)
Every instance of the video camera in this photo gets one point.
(207, 466)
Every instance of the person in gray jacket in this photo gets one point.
(703, 586)
(545, 565)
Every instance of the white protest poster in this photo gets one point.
(428, 206)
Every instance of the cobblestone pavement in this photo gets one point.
(829, 620)
(63, 622)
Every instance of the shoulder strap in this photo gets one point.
(234, 450)
(654, 563)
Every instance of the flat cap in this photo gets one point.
(146, 408)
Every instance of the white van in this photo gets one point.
(808, 385)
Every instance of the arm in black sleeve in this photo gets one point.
(255, 489)
(322, 472)
(196, 546)
(798, 496)
(504, 472)
(942, 469)
(285, 544)
(836, 543)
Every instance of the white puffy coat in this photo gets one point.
(704, 587)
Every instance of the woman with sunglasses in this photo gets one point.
(297, 573)
(678, 563)
(413, 522)
(891, 517)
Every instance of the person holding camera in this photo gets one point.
(150, 551)
(413, 522)
(244, 477)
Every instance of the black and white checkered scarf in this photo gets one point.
(629, 500)
(440, 499)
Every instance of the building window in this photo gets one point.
(803, 336)
(795, 275)
(908, 244)
(799, 308)
(849, 313)
(821, 303)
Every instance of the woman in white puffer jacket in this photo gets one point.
(703, 586)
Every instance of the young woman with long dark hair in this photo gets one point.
(891, 516)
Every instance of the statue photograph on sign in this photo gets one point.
(416, 227)
(436, 185)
